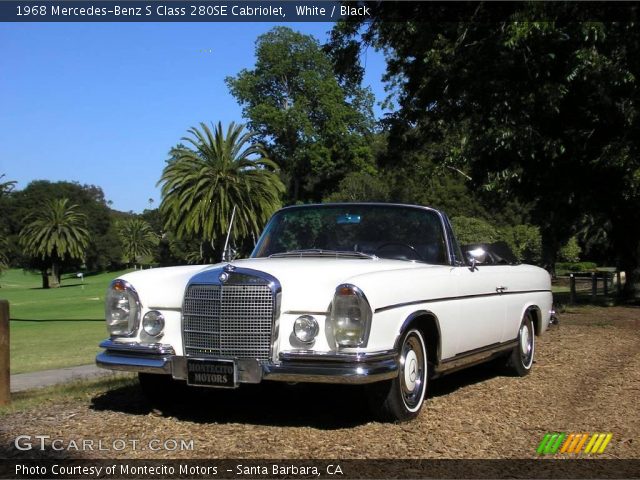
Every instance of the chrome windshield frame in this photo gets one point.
(444, 222)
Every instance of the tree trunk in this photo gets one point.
(550, 247)
(625, 237)
(45, 278)
(54, 277)
(296, 188)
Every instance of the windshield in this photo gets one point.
(358, 231)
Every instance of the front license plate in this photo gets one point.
(211, 373)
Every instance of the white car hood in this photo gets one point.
(308, 284)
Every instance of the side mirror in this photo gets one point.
(477, 256)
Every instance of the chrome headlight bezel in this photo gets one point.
(351, 317)
(153, 323)
(306, 329)
(121, 292)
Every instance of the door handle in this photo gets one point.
(501, 289)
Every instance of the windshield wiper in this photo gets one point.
(319, 252)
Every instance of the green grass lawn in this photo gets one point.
(83, 390)
(54, 328)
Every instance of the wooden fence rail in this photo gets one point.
(606, 278)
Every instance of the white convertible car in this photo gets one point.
(356, 293)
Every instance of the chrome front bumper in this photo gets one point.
(300, 366)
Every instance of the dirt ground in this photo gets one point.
(586, 379)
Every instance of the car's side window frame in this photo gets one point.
(455, 253)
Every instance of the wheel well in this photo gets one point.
(427, 323)
(537, 319)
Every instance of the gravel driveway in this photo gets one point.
(586, 379)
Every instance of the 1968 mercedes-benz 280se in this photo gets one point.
(356, 293)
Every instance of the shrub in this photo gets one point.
(473, 230)
(525, 242)
(570, 252)
(575, 267)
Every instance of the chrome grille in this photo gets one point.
(228, 321)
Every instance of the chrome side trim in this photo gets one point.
(473, 357)
(462, 297)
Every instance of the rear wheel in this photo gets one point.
(521, 359)
(401, 398)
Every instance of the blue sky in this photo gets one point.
(102, 103)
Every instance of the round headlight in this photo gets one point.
(153, 323)
(350, 317)
(122, 309)
(305, 328)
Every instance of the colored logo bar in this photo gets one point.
(591, 443)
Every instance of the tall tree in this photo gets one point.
(5, 188)
(103, 250)
(56, 231)
(204, 181)
(315, 128)
(537, 102)
(4, 261)
(137, 239)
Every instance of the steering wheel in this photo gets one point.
(413, 253)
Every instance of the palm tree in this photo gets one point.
(137, 237)
(203, 182)
(6, 187)
(55, 233)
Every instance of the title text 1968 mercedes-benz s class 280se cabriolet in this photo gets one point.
(355, 293)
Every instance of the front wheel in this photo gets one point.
(401, 398)
(521, 359)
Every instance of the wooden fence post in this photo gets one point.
(572, 288)
(619, 282)
(594, 286)
(605, 280)
(5, 377)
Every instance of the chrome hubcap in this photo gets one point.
(524, 340)
(413, 373)
(526, 343)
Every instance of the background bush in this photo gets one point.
(525, 242)
(563, 268)
(473, 230)
(570, 252)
